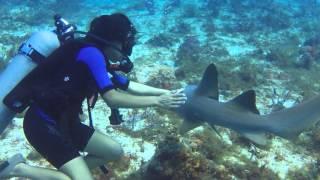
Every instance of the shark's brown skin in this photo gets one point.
(241, 114)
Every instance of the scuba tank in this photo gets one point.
(30, 53)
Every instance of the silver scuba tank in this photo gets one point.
(34, 50)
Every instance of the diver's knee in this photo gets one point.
(76, 169)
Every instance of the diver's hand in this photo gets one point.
(172, 99)
(177, 91)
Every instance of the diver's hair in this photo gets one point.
(114, 27)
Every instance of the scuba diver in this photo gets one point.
(81, 68)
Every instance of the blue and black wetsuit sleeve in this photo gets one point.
(94, 59)
(121, 82)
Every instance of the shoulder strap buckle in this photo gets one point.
(28, 50)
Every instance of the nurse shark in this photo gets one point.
(241, 113)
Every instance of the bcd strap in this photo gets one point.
(95, 97)
(93, 100)
(28, 50)
(89, 113)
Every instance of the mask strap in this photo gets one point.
(108, 43)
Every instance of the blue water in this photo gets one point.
(271, 46)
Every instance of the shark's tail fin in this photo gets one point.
(289, 123)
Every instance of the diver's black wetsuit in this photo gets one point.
(52, 123)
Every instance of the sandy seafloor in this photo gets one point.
(249, 55)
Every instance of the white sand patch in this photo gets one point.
(137, 149)
(15, 141)
(236, 46)
(289, 160)
(280, 158)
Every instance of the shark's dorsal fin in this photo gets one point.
(247, 101)
(209, 83)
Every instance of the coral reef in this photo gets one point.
(309, 53)
(245, 76)
(161, 40)
(170, 6)
(189, 11)
(189, 51)
(308, 172)
(150, 6)
(174, 161)
(181, 27)
(276, 20)
(284, 54)
(189, 58)
(164, 78)
(315, 136)
(210, 28)
(214, 7)
(279, 100)
(201, 156)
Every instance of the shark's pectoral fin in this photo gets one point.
(187, 125)
(256, 138)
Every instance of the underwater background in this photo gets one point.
(271, 46)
